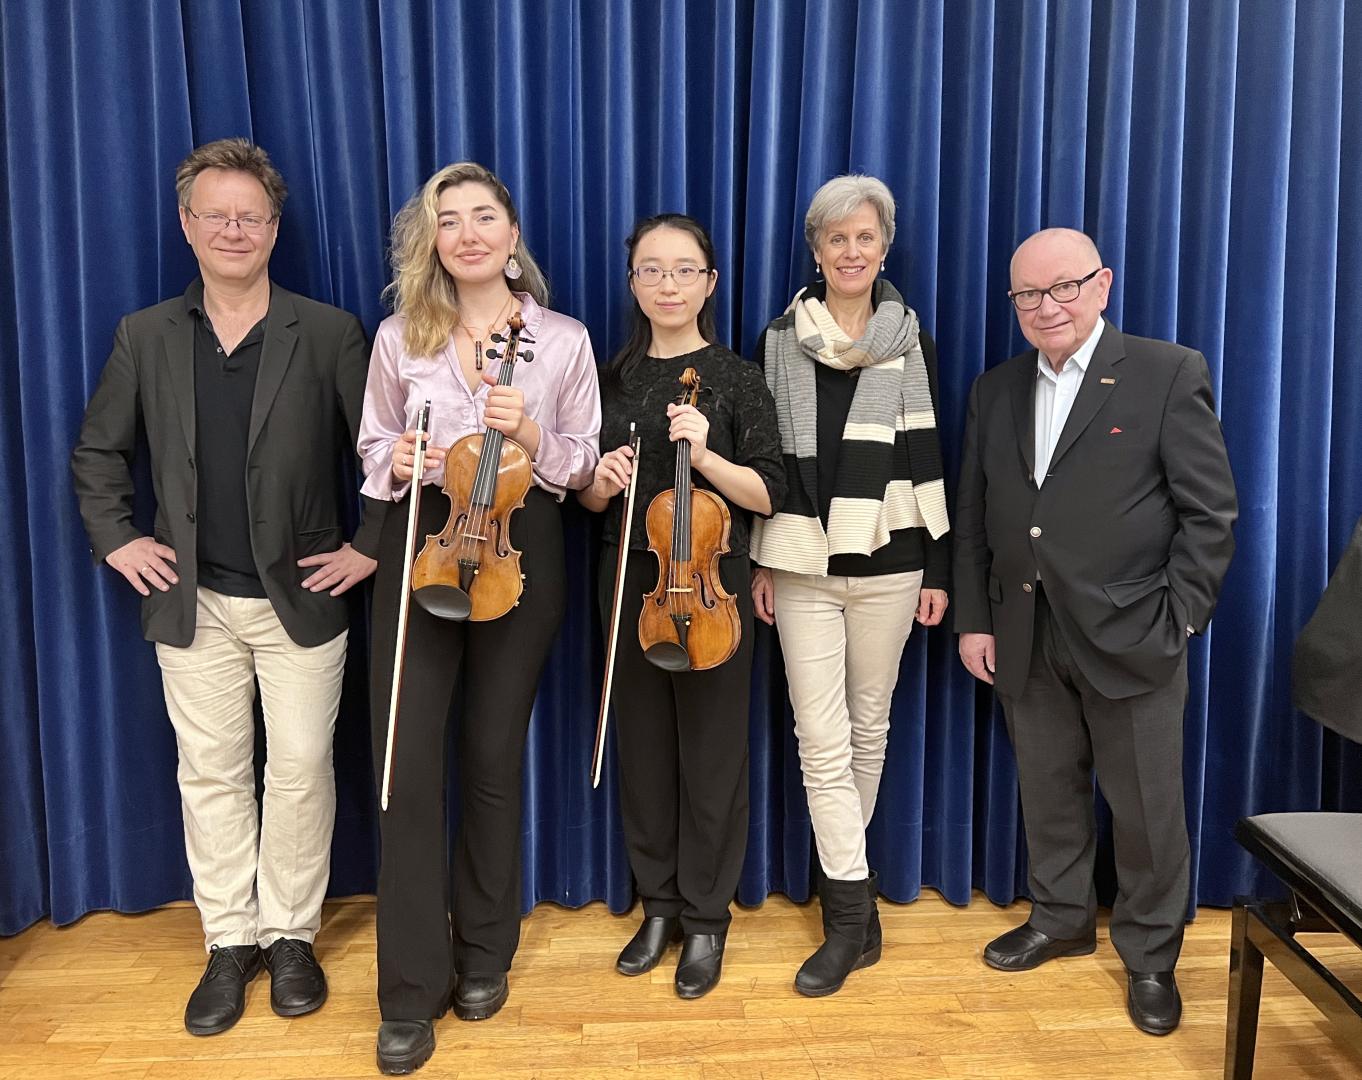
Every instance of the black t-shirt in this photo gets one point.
(224, 387)
(742, 429)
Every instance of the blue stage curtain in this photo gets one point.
(1213, 150)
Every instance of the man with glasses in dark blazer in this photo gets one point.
(249, 397)
(1093, 530)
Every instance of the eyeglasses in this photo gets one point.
(652, 276)
(1062, 292)
(251, 223)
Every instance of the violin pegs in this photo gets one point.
(498, 338)
(491, 354)
(527, 355)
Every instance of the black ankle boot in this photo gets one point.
(846, 913)
(646, 947)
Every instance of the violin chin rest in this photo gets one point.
(668, 655)
(445, 601)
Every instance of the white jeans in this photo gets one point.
(842, 638)
(254, 883)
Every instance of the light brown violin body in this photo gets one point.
(689, 622)
(469, 570)
(474, 548)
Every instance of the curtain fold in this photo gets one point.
(1214, 151)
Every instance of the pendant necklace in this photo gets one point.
(476, 339)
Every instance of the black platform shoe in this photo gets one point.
(479, 994)
(404, 1045)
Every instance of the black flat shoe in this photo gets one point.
(702, 961)
(1153, 1001)
(479, 994)
(297, 983)
(1026, 947)
(647, 946)
(220, 998)
(404, 1045)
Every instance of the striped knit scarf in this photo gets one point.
(889, 473)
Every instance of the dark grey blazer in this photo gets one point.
(1327, 666)
(1131, 532)
(304, 419)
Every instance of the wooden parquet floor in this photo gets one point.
(105, 999)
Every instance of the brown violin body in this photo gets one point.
(705, 615)
(474, 548)
(469, 570)
(689, 622)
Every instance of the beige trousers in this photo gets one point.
(842, 638)
(257, 877)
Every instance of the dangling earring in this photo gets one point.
(881, 267)
(818, 270)
(512, 270)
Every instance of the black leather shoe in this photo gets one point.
(480, 994)
(1153, 1001)
(1026, 947)
(220, 998)
(404, 1045)
(646, 947)
(297, 984)
(702, 961)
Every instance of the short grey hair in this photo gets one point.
(841, 197)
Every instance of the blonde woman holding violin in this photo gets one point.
(682, 735)
(447, 934)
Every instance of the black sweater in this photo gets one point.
(742, 429)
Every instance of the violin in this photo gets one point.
(689, 621)
(469, 570)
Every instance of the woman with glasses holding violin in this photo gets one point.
(682, 734)
(465, 286)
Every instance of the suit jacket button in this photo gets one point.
(1026, 587)
(1035, 530)
(190, 517)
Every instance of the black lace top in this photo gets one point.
(742, 429)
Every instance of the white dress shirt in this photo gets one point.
(1055, 398)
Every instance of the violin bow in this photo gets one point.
(616, 602)
(404, 603)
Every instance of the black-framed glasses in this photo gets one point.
(652, 276)
(251, 223)
(1061, 292)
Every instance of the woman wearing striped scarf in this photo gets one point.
(858, 550)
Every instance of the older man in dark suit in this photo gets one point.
(249, 396)
(1093, 531)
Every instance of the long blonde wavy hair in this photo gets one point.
(421, 288)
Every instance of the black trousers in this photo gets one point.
(682, 742)
(1061, 727)
(435, 918)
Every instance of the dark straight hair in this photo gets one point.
(635, 347)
